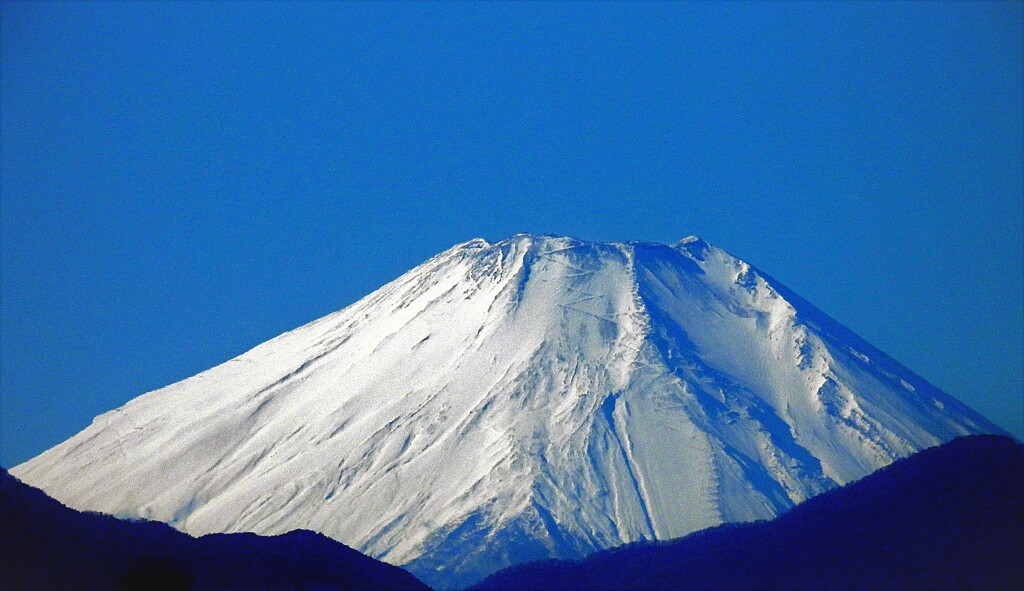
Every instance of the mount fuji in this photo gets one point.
(533, 398)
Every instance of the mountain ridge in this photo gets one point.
(46, 545)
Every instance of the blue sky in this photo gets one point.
(180, 182)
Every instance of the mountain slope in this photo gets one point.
(47, 546)
(500, 403)
(950, 517)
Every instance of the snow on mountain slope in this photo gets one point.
(538, 397)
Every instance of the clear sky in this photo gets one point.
(181, 182)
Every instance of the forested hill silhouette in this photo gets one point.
(950, 517)
(45, 545)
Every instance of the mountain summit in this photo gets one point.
(537, 397)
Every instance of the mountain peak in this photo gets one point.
(475, 243)
(693, 246)
(537, 397)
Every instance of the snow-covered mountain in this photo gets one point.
(538, 397)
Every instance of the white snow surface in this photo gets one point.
(538, 397)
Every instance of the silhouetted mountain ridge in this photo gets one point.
(950, 517)
(45, 545)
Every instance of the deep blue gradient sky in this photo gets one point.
(181, 182)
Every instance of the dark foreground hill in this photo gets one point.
(45, 545)
(950, 517)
